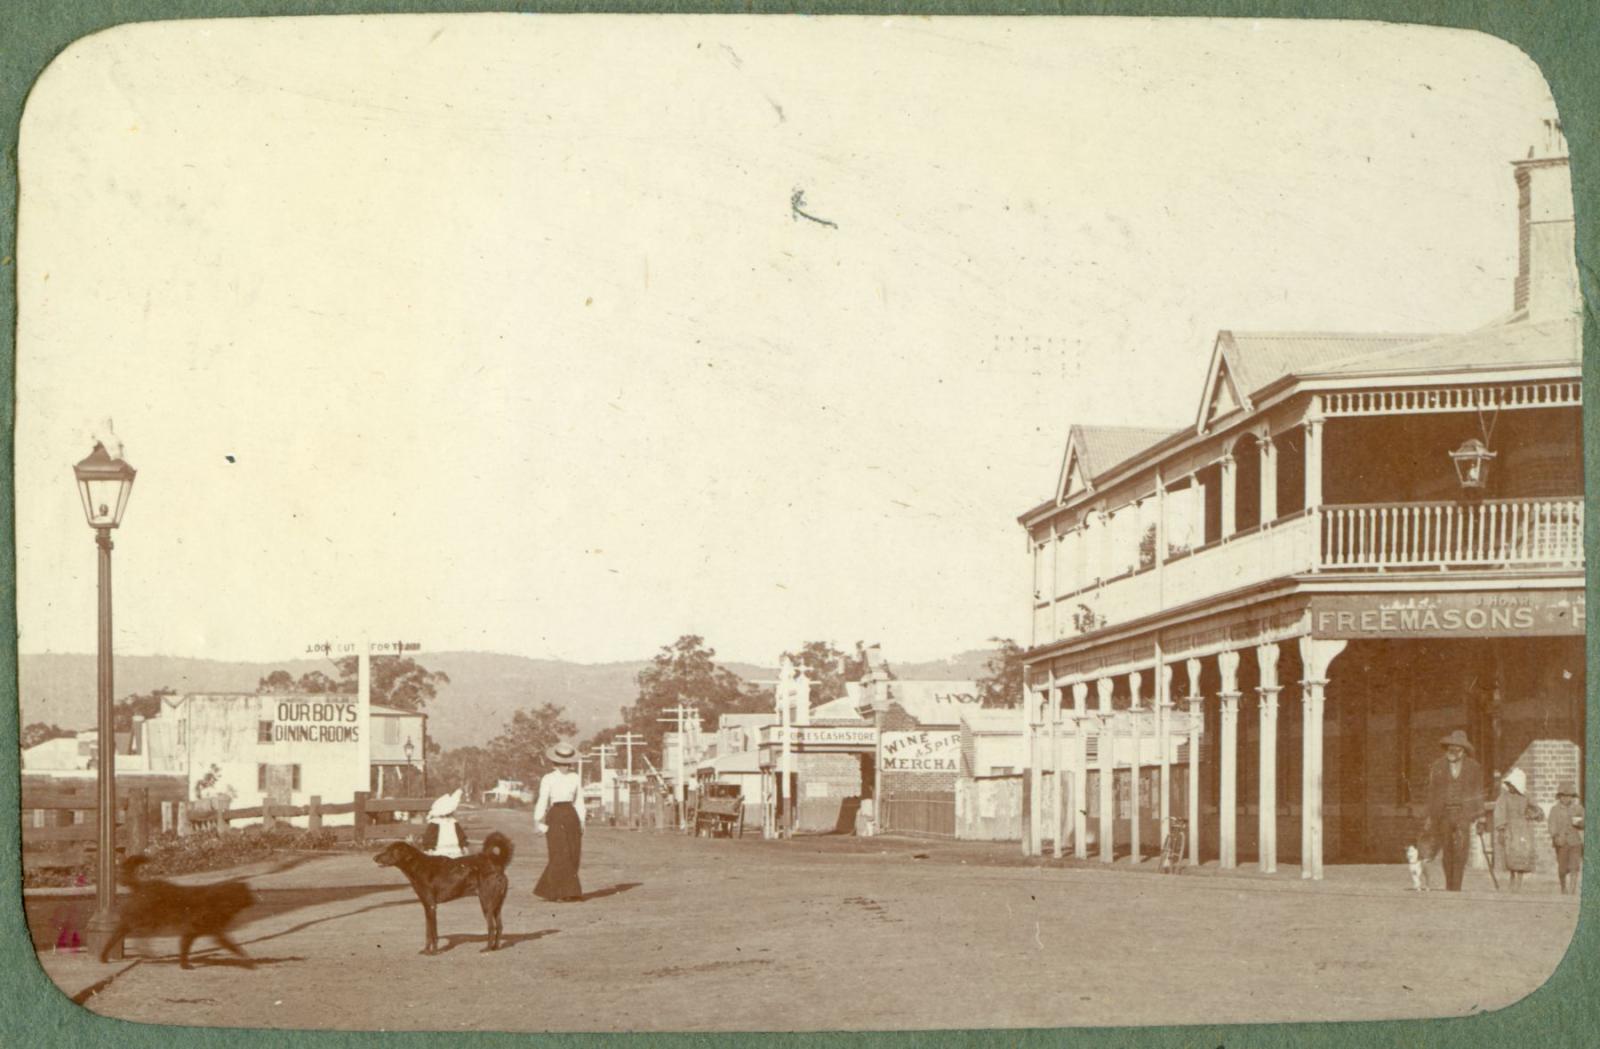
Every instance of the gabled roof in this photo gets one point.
(1093, 451)
(1244, 363)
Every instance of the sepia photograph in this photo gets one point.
(600, 523)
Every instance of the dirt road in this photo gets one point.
(684, 933)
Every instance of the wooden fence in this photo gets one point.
(56, 812)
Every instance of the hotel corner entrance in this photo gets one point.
(1507, 669)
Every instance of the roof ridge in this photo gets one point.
(1342, 336)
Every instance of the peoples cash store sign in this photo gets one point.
(921, 752)
(1526, 613)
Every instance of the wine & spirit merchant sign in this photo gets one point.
(1525, 613)
(921, 752)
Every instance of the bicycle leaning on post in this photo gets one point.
(1175, 847)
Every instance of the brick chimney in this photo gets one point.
(1547, 269)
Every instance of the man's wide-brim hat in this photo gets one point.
(1456, 739)
(562, 754)
(1567, 789)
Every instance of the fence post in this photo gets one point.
(314, 813)
(183, 819)
(138, 820)
(268, 821)
(360, 827)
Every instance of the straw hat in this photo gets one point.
(1457, 738)
(562, 754)
(1517, 780)
(1567, 789)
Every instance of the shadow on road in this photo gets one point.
(507, 940)
(612, 891)
(329, 918)
(212, 958)
(52, 920)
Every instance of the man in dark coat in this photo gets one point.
(1455, 803)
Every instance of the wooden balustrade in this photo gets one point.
(1490, 534)
(1493, 533)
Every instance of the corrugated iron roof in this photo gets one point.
(1102, 448)
(1506, 345)
(1258, 359)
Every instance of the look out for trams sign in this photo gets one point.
(921, 752)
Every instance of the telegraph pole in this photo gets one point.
(629, 740)
(607, 803)
(679, 714)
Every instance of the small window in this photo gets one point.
(261, 777)
(294, 777)
(264, 732)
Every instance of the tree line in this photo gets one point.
(684, 672)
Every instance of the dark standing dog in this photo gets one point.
(437, 879)
(191, 911)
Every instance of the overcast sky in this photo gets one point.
(498, 332)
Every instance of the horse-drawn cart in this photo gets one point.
(721, 811)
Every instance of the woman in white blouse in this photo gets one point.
(559, 816)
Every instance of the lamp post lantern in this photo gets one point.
(104, 483)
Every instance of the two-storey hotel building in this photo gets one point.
(1363, 542)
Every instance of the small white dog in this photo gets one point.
(1419, 869)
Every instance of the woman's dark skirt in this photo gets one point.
(564, 840)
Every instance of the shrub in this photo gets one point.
(169, 854)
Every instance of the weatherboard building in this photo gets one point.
(1361, 543)
(250, 748)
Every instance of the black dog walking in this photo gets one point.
(437, 879)
(191, 911)
(559, 815)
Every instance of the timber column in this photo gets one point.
(1108, 769)
(1031, 845)
(1164, 745)
(1135, 845)
(1228, 803)
(1064, 795)
(1267, 660)
(1080, 771)
(1196, 716)
(1315, 656)
(1053, 741)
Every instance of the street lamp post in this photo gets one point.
(104, 483)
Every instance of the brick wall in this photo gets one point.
(1547, 762)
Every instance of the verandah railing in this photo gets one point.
(1487, 534)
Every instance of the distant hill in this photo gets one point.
(485, 688)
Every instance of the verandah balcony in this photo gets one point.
(1500, 533)
(1487, 535)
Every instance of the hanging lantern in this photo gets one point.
(1472, 464)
